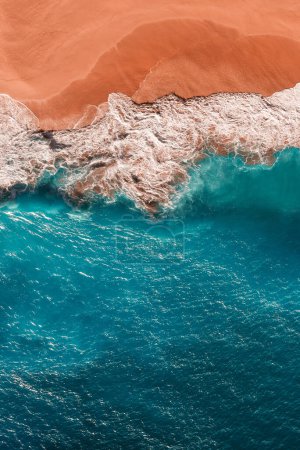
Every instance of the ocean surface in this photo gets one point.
(181, 332)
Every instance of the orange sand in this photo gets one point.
(60, 56)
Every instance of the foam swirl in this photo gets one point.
(143, 151)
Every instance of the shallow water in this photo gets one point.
(182, 332)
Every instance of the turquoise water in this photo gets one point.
(120, 332)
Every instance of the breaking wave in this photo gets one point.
(226, 183)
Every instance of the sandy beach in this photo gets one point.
(58, 59)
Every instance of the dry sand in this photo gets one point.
(58, 56)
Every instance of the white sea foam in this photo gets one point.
(143, 151)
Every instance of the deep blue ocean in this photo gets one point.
(118, 331)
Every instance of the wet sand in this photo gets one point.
(58, 58)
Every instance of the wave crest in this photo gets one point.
(144, 151)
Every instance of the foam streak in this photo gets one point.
(143, 151)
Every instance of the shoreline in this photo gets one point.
(143, 151)
(70, 58)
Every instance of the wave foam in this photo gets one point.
(143, 151)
